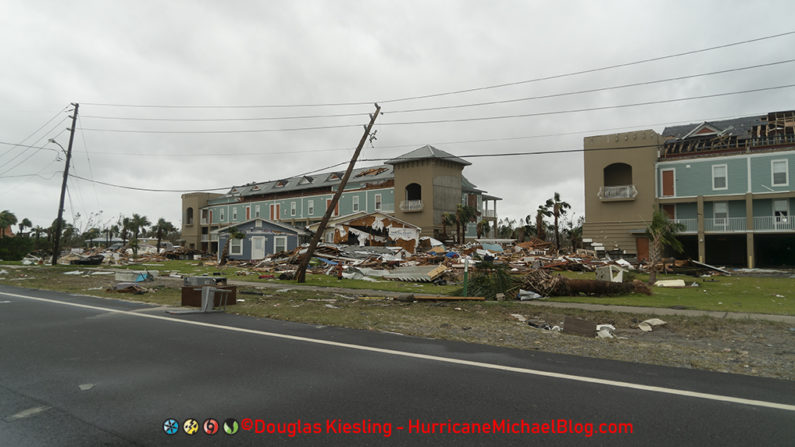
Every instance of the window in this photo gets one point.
(780, 172)
(234, 213)
(279, 244)
(720, 212)
(293, 209)
(330, 236)
(719, 179)
(310, 207)
(355, 203)
(413, 191)
(256, 211)
(221, 216)
(378, 202)
(780, 211)
(236, 247)
(189, 216)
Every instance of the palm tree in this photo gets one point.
(447, 219)
(91, 233)
(541, 227)
(37, 230)
(26, 223)
(463, 215)
(126, 227)
(483, 228)
(161, 230)
(7, 218)
(557, 208)
(138, 224)
(233, 233)
(661, 233)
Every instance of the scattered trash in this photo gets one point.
(648, 325)
(86, 386)
(521, 318)
(527, 295)
(605, 330)
(73, 272)
(670, 283)
(331, 306)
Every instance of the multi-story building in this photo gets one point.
(727, 182)
(417, 187)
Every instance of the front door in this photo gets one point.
(257, 247)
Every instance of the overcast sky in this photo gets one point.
(104, 54)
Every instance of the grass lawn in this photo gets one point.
(769, 295)
(722, 293)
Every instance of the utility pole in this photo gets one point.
(58, 227)
(301, 274)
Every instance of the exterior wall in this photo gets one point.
(693, 176)
(269, 232)
(611, 221)
(191, 232)
(440, 181)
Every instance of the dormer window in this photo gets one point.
(306, 180)
(281, 183)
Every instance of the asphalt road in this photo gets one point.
(113, 372)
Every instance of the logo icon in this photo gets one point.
(191, 426)
(231, 426)
(211, 426)
(171, 426)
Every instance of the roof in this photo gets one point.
(467, 186)
(735, 126)
(427, 152)
(358, 215)
(270, 222)
(371, 174)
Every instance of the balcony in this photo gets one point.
(617, 193)
(774, 223)
(203, 221)
(489, 214)
(411, 206)
(210, 238)
(691, 225)
(725, 224)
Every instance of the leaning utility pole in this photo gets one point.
(57, 246)
(301, 274)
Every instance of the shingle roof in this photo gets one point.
(740, 126)
(426, 152)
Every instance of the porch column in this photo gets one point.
(749, 227)
(702, 248)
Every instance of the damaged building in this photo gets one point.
(373, 229)
(416, 188)
(727, 182)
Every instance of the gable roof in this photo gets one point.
(270, 222)
(735, 126)
(358, 215)
(427, 152)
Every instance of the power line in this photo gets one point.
(455, 120)
(588, 109)
(397, 146)
(592, 70)
(265, 118)
(434, 95)
(505, 154)
(34, 152)
(37, 130)
(594, 90)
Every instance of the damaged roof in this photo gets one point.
(427, 152)
(736, 126)
(372, 174)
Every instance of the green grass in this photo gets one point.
(719, 293)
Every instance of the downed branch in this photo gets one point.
(541, 282)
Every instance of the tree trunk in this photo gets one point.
(225, 252)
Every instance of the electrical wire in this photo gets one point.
(453, 92)
(37, 130)
(594, 90)
(265, 118)
(587, 109)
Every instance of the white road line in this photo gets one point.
(535, 372)
(27, 413)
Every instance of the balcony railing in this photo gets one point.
(204, 221)
(625, 192)
(725, 224)
(691, 225)
(411, 206)
(774, 223)
(490, 213)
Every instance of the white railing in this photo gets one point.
(386, 209)
(725, 224)
(489, 213)
(774, 223)
(625, 192)
(204, 221)
(691, 225)
(411, 206)
(205, 238)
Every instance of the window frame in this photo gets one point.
(725, 177)
(378, 202)
(276, 244)
(239, 243)
(310, 207)
(773, 163)
(355, 204)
